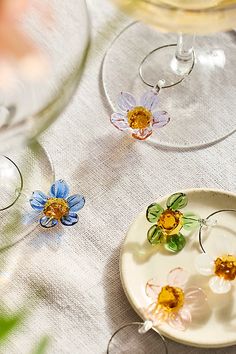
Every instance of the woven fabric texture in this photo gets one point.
(72, 280)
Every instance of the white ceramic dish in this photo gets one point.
(140, 261)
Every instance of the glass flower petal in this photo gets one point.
(119, 121)
(48, 222)
(70, 219)
(204, 264)
(153, 289)
(177, 201)
(194, 298)
(38, 200)
(59, 189)
(186, 316)
(175, 243)
(142, 134)
(153, 212)
(160, 119)
(155, 235)
(76, 202)
(151, 313)
(149, 100)
(219, 285)
(180, 320)
(190, 221)
(126, 101)
(177, 277)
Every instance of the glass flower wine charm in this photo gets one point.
(173, 302)
(169, 223)
(219, 262)
(57, 206)
(140, 118)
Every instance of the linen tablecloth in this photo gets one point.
(80, 301)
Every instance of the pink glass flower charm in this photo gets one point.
(173, 303)
(220, 264)
(139, 119)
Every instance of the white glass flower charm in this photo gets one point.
(140, 119)
(173, 303)
(220, 264)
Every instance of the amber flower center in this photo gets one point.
(171, 298)
(139, 118)
(56, 208)
(170, 221)
(225, 267)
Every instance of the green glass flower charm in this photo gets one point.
(169, 222)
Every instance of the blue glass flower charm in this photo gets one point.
(139, 119)
(57, 206)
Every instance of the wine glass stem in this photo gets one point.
(184, 49)
(183, 59)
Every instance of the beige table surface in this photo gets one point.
(81, 300)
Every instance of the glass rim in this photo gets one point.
(21, 183)
(140, 324)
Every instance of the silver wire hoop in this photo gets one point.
(19, 190)
(207, 218)
(164, 86)
(140, 324)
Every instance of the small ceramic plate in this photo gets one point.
(140, 261)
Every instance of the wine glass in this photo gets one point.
(43, 47)
(137, 337)
(197, 76)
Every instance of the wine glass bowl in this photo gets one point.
(39, 83)
(43, 44)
